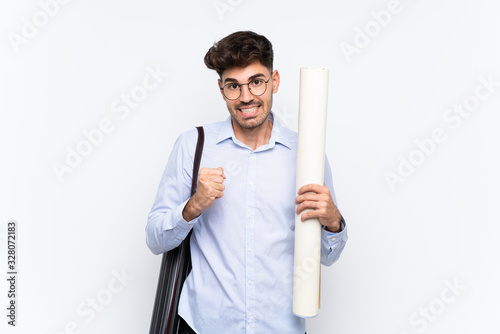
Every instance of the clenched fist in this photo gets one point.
(209, 189)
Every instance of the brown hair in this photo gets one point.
(240, 49)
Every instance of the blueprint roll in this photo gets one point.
(313, 98)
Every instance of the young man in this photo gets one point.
(243, 212)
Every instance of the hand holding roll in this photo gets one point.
(318, 200)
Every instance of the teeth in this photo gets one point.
(248, 111)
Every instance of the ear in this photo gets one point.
(219, 84)
(276, 81)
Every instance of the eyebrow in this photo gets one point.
(255, 76)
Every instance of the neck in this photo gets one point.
(254, 137)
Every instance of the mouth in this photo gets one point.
(249, 111)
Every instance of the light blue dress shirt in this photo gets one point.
(242, 246)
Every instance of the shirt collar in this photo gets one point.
(277, 134)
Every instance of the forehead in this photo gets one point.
(243, 74)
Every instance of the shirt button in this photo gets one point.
(250, 250)
(250, 282)
(250, 183)
(250, 217)
(333, 239)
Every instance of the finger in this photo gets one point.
(212, 192)
(212, 171)
(304, 216)
(306, 197)
(311, 205)
(312, 197)
(212, 178)
(313, 187)
(312, 214)
(305, 206)
(307, 215)
(218, 186)
(215, 193)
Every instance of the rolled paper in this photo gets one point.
(313, 99)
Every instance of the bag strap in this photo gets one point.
(183, 262)
(197, 158)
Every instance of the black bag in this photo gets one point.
(175, 267)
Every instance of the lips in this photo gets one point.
(248, 111)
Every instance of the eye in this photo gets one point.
(257, 82)
(232, 86)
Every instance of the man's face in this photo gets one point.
(249, 111)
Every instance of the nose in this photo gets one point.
(245, 95)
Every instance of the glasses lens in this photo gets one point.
(257, 86)
(232, 91)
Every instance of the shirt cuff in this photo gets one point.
(330, 239)
(181, 226)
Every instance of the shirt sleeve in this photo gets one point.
(166, 228)
(332, 244)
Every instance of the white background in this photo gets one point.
(440, 224)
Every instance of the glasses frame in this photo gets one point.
(249, 89)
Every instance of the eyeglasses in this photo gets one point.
(257, 87)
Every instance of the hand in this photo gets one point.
(318, 199)
(209, 189)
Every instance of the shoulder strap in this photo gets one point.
(175, 267)
(197, 158)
